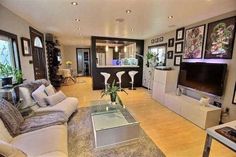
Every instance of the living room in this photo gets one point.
(134, 78)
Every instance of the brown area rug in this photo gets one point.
(81, 141)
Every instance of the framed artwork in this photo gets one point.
(220, 39)
(25, 44)
(179, 47)
(234, 95)
(170, 54)
(171, 42)
(194, 38)
(179, 34)
(177, 60)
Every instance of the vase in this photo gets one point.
(113, 98)
(6, 81)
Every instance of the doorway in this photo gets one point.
(38, 54)
(83, 61)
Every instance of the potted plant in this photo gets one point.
(6, 72)
(112, 92)
(149, 56)
(18, 75)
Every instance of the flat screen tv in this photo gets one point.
(206, 77)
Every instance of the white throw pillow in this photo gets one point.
(56, 98)
(39, 96)
(9, 150)
(50, 90)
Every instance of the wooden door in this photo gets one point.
(38, 54)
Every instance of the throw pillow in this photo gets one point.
(56, 98)
(50, 90)
(8, 150)
(25, 96)
(11, 117)
(39, 96)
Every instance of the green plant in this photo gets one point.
(149, 55)
(19, 75)
(112, 91)
(6, 70)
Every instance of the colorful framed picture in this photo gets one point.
(179, 34)
(177, 60)
(170, 54)
(179, 47)
(234, 95)
(220, 39)
(194, 39)
(25, 44)
(171, 42)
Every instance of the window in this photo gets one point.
(38, 43)
(160, 52)
(9, 49)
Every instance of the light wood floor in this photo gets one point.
(174, 135)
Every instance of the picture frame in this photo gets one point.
(234, 95)
(171, 42)
(179, 47)
(194, 41)
(170, 54)
(220, 39)
(177, 60)
(26, 47)
(179, 34)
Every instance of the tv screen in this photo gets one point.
(206, 77)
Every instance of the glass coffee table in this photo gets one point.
(113, 124)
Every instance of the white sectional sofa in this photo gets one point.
(46, 142)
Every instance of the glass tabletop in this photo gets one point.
(105, 115)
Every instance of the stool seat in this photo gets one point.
(106, 77)
(119, 75)
(132, 74)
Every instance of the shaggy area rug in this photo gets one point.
(81, 141)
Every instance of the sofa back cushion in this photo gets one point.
(39, 96)
(4, 134)
(11, 117)
(55, 98)
(8, 150)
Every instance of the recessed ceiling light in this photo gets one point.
(170, 17)
(128, 11)
(77, 20)
(74, 3)
(79, 28)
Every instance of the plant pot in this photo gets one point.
(113, 98)
(6, 81)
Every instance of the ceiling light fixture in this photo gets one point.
(74, 3)
(125, 49)
(170, 17)
(116, 49)
(79, 28)
(77, 20)
(107, 48)
(128, 11)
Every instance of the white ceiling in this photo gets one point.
(148, 17)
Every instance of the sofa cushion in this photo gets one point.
(4, 134)
(39, 96)
(43, 141)
(68, 106)
(55, 98)
(9, 150)
(25, 95)
(11, 117)
(50, 90)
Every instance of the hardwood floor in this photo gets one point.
(174, 135)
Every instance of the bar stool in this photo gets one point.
(119, 75)
(106, 77)
(132, 74)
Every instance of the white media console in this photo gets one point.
(164, 87)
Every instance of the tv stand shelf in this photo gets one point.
(192, 110)
(164, 87)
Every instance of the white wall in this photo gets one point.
(231, 77)
(68, 53)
